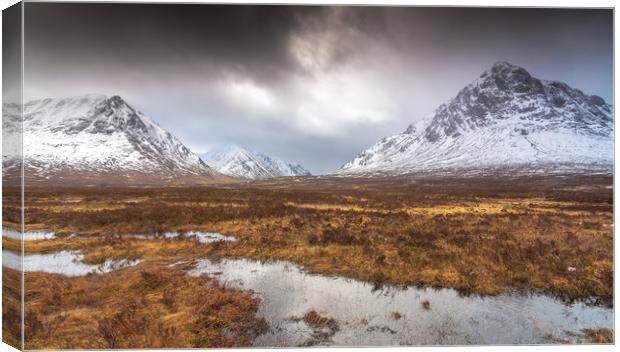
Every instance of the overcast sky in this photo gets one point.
(314, 85)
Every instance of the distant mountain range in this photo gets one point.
(236, 161)
(505, 119)
(91, 138)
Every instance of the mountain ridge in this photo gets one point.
(236, 161)
(95, 134)
(504, 118)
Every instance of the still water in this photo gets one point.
(395, 316)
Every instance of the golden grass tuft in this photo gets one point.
(599, 335)
(317, 321)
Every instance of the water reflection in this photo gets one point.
(396, 316)
(65, 262)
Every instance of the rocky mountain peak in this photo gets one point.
(504, 117)
(99, 134)
(511, 78)
(506, 91)
(116, 112)
(234, 160)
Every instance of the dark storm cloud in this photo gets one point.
(311, 84)
(11, 59)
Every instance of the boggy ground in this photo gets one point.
(482, 235)
(151, 306)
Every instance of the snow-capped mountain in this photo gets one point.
(505, 119)
(236, 161)
(96, 134)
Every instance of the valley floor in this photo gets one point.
(477, 235)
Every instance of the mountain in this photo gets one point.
(234, 160)
(97, 136)
(505, 119)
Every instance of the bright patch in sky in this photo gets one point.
(337, 100)
(250, 94)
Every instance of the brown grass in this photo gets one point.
(11, 307)
(140, 307)
(484, 236)
(396, 315)
(478, 236)
(426, 304)
(599, 335)
(317, 321)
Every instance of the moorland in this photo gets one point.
(481, 235)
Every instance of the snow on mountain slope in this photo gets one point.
(97, 134)
(504, 119)
(236, 161)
